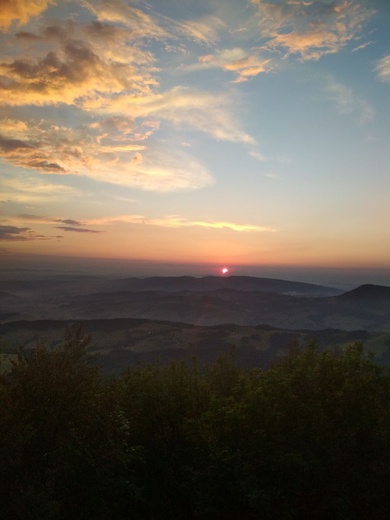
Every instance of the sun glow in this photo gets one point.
(224, 270)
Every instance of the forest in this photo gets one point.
(309, 437)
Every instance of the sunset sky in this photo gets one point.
(209, 132)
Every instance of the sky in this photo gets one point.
(238, 133)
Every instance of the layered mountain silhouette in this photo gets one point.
(213, 283)
(207, 301)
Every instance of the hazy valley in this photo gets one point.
(160, 319)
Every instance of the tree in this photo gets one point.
(61, 438)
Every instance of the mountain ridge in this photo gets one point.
(367, 292)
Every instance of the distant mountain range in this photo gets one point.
(86, 284)
(207, 301)
(160, 319)
(214, 283)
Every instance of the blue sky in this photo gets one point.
(239, 133)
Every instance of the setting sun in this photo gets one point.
(224, 270)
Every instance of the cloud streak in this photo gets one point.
(77, 230)
(243, 64)
(383, 68)
(28, 189)
(183, 106)
(26, 217)
(176, 221)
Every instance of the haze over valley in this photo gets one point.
(161, 319)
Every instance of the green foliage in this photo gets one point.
(60, 436)
(308, 438)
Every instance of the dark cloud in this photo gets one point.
(59, 32)
(20, 234)
(8, 145)
(28, 216)
(77, 230)
(39, 162)
(76, 65)
(24, 35)
(14, 233)
(69, 221)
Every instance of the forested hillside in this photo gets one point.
(307, 438)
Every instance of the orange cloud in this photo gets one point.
(68, 75)
(20, 11)
(235, 60)
(309, 29)
(59, 150)
(105, 76)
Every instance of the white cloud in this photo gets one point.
(206, 112)
(204, 30)
(258, 155)
(348, 102)
(383, 68)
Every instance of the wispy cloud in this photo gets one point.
(27, 217)
(309, 29)
(243, 64)
(348, 102)
(139, 22)
(383, 68)
(258, 155)
(175, 221)
(206, 112)
(29, 189)
(204, 30)
(77, 230)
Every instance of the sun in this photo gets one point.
(224, 270)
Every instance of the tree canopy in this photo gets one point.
(307, 438)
